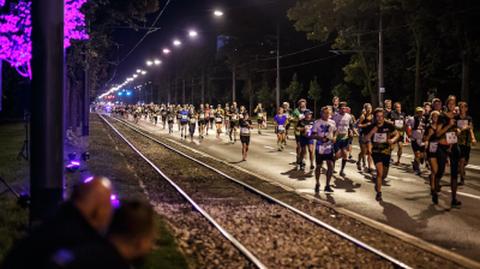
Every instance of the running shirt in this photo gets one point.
(324, 129)
(218, 115)
(308, 125)
(234, 114)
(464, 136)
(260, 113)
(451, 134)
(183, 116)
(202, 116)
(245, 127)
(281, 120)
(297, 116)
(344, 124)
(417, 124)
(364, 119)
(398, 120)
(380, 139)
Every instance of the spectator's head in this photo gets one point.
(92, 199)
(132, 230)
(379, 115)
(437, 104)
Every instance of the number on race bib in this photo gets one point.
(380, 138)
(462, 123)
(202, 116)
(184, 117)
(244, 130)
(324, 148)
(417, 134)
(281, 128)
(433, 147)
(451, 138)
(399, 123)
(218, 119)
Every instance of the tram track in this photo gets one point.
(270, 224)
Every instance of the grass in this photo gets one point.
(13, 218)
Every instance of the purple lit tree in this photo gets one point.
(16, 29)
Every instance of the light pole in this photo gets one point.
(277, 92)
(381, 87)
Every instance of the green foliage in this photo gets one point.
(341, 90)
(294, 90)
(265, 94)
(314, 91)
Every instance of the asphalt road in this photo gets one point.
(407, 203)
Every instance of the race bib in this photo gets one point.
(260, 115)
(342, 129)
(462, 123)
(417, 134)
(218, 119)
(433, 147)
(202, 116)
(380, 138)
(281, 128)
(451, 138)
(244, 130)
(399, 123)
(325, 148)
(184, 117)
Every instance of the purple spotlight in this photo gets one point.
(114, 200)
(88, 179)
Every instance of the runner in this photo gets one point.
(417, 127)
(202, 121)
(288, 113)
(388, 108)
(344, 124)
(183, 120)
(280, 122)
(234, 122)
(432, 149)
(304, 127)
(219, 116)
(383, 135)
(170, 119)
(324, 132)
(365, 123)
(335, 104)
(448, 146)
(163, 113)
(245, 126)
(354, 133)
(465, 139)
(226, 120)
(192, 122)
(179, 116)
(261, 117)
(397, 117)
(297, 115)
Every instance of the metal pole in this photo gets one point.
(277, 91)
(46, 167)
(85, 100)
(381, 87)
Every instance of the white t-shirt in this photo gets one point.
(325, 129)
(343, 123)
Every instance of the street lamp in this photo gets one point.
(218, 13)
(135, 75)
(177, 43)
(149, 63)
(166, 51)
(144, 72)
(157, 62)
(192, 34)
(139, 70)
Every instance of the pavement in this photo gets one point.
(407, 203)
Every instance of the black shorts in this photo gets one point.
(416, 147)
(297, 138)
(323, 157)
(381, 158)
(464, 152)
(260, 121)
(341, 144)
(233, 124)
(201, 122)
(245, 139)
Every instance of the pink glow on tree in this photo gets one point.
(16, 30)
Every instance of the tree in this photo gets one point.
(314, 93)
(265, 95)
(294, 90)
(341, 90)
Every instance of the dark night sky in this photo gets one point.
(181, 15)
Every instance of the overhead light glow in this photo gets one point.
(166, 51)
(157, 62)
(177, 42)
(218, 13)
(149, 63)
(192, 33)
(144, 72)
(135, 75)
(139, 70)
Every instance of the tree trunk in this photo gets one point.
(250, 91)
(465, 92)
(418, 95)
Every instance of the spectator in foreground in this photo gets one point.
(80, 221)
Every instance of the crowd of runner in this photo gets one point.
(439, 134)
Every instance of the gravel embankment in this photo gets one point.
(278, 237)
(203, 245)
(392, 246)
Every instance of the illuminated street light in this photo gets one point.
(166, 51)
(157, 62)
(135, 75)
(144, 72)
(149, 63)
(177, 42)
(192, 33)
(218, 13)
(139, 70)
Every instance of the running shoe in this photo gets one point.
(317, 188)
(456, 203)
(328, 189)
(378, 197)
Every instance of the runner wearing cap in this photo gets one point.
(304, 128)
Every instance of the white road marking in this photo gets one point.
(268, 147)
(467, 194)
(293, 153)
(473, 167)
